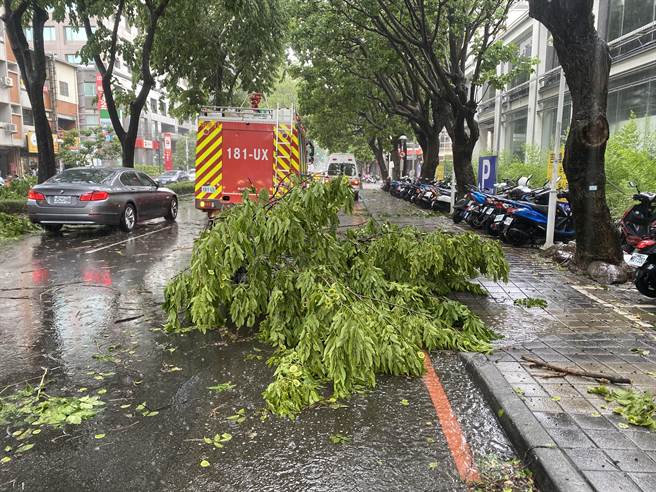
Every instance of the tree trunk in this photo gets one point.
(396, 159)
(376, 147)
(128, 148)
(33, 64)
(431, 150)
(47, 166)
(464, 135)
(586, 62)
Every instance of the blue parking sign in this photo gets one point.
(487, 173)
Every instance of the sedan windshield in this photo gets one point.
(92, 176)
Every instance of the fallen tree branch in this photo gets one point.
(577, 372)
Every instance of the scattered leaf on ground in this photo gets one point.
(99, 436)
(204, 464)
(339, 438)
(405, 403)
(531, 302)
(220, 388)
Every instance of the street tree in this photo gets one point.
(232, 49)
(452, 46)
(586, 61)
(32, 62)
(387, 85)
(102, 20)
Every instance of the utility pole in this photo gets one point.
(187, 152)
(553, 193)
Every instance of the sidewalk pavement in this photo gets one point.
(571, 438)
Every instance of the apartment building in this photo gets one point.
(65, 42)
(18, 148)
(524, 114)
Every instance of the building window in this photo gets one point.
(626, 16)
(516, 134)
(48, 33)
(153, 105)
(637, 100)
(63, 88)
(162, 107)
(89, 89)
(525, 49)
(552, 57)
(74, 59)
(548, 119)
(28, 117)
(75, 34)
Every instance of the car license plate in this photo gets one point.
(499, 218)
(208, 189)
(61, 200)
(637, 259)
(508, 221)
(489, 211)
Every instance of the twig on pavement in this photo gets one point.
(577, 372)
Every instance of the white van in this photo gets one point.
(345, 165)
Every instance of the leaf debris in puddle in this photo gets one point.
(220, 388)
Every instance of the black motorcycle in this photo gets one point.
(644, 258)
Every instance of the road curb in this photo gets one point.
(551, 468)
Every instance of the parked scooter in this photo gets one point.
(528, 223)
(644, 258)
(639, 221)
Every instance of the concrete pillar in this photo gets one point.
(533, 86)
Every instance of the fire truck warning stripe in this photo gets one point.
(201, 129)
(212, 174)
(217, 184)
(203, 166)
(204, 143)
(208, 136)
(206, 157)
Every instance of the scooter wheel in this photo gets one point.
(458, 215)
(645, 281)
(516, 237)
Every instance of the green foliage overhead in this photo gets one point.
(229, 46)
(338, 308)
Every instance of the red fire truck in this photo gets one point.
(240, 149)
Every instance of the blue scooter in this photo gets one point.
(527, 224)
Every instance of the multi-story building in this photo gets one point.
(18, 149)
(525, 113)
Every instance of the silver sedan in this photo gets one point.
(100, 196)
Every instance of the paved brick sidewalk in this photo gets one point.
(585, 326)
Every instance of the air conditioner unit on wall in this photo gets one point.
(8, 82)
(11, 128)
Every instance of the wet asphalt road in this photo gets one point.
(64, 301)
